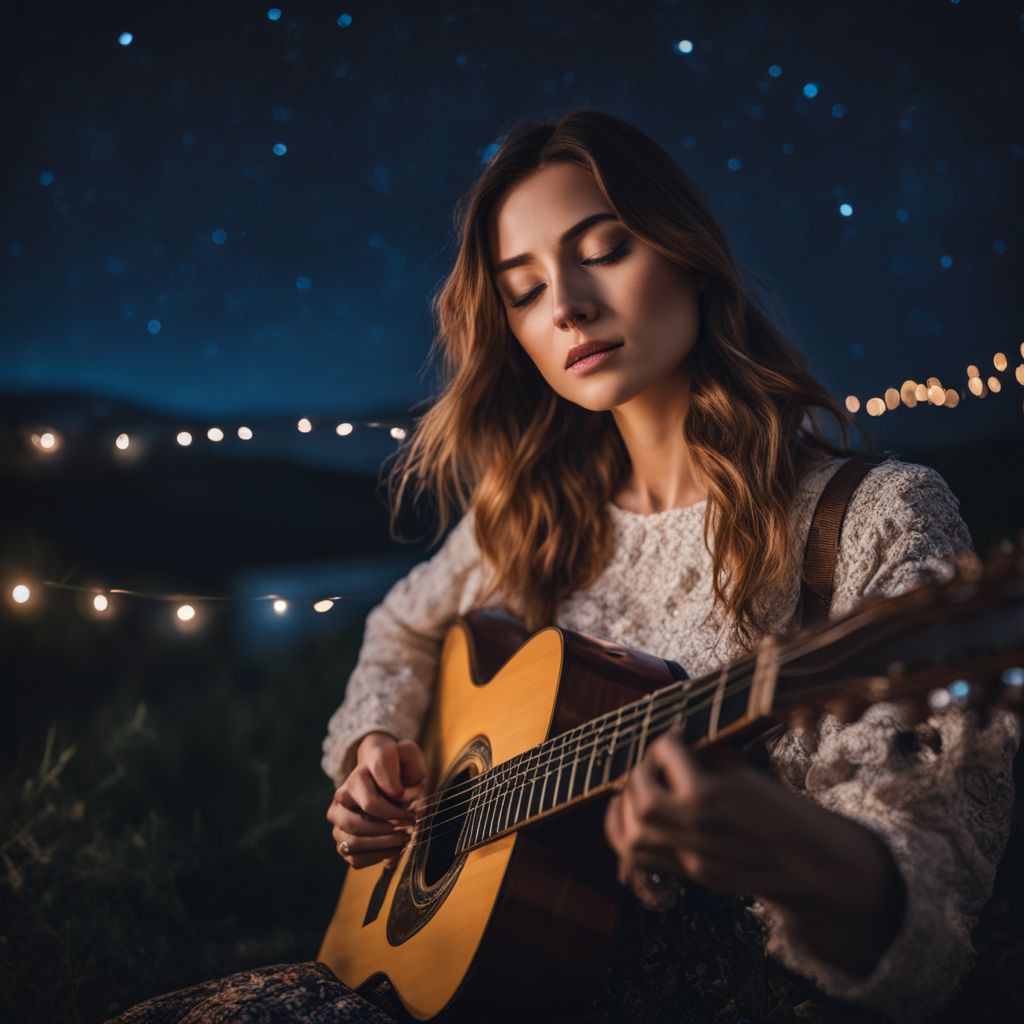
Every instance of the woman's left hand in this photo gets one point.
(716, 820)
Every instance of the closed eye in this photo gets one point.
(619, 252)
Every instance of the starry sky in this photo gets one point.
(233, 208)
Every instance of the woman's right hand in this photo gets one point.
(370, 811)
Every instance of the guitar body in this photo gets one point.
(525, 921)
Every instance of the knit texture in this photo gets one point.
(942, 806)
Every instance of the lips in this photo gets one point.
(588, 348)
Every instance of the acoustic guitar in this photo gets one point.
(505, 898)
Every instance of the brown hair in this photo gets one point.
(537, 471)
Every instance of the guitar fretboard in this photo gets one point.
(576, 763)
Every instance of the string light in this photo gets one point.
(280, 606)
(186, 612)
(48, 441)
(184, 438)
(21, 593)
(215, 434)
(245, 433)
(304, 425)
(122, 442)
(100, 602)
(323, 606)
(935, 393)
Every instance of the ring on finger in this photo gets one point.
(344, 848)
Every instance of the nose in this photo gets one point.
(571, 297)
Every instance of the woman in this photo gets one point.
(660, 495)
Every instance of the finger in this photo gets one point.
(676, 763)
(613, 828)
(371, 800)
(364, 844)
(359, 824)
(382, 761)
(412, 768)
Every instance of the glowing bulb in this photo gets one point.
(1019, 374)
(304, 425)
(280, 606)
(936, 395)
(875, 406)
(21, 593)
(245, 433)
(48, 441)
(994, 384)
(100, 602)
(922, 393)
(342, 429)
(892, 398)
(186, 612)
(122, 441)
(952, 398)
(934, 382)
(972, 371)
(999, 361)
(323, 606)
(184, 438)
(908, 392)
(215, 434)
(1022, 350)
(976, 386)
(852, 403)
(398, 433)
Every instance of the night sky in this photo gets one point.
(228, 209)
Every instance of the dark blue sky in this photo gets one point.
(156, 248)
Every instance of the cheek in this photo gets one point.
(658, 297)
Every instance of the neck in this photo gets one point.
(593, 757)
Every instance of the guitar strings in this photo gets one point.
(556, 744)
(793, 652)
(435, 827)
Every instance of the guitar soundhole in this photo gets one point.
(445, 827)
(430, 873)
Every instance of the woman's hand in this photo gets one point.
(370, 810)
(719, 822)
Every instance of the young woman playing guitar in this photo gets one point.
(658, 493)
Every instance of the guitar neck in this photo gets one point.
(593, 757)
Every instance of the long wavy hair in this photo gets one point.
(537, 471)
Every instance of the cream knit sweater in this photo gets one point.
(944, 809)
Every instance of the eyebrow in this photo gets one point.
(567, 236)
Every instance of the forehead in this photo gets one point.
(531, 215)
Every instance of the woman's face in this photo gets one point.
(601, 284)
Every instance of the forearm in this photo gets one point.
(850, 900)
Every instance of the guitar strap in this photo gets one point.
(817, 579)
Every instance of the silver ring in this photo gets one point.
(344, 848)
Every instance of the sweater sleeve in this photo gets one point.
(940, 796)
(390, 687)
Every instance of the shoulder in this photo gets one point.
(902, 528)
